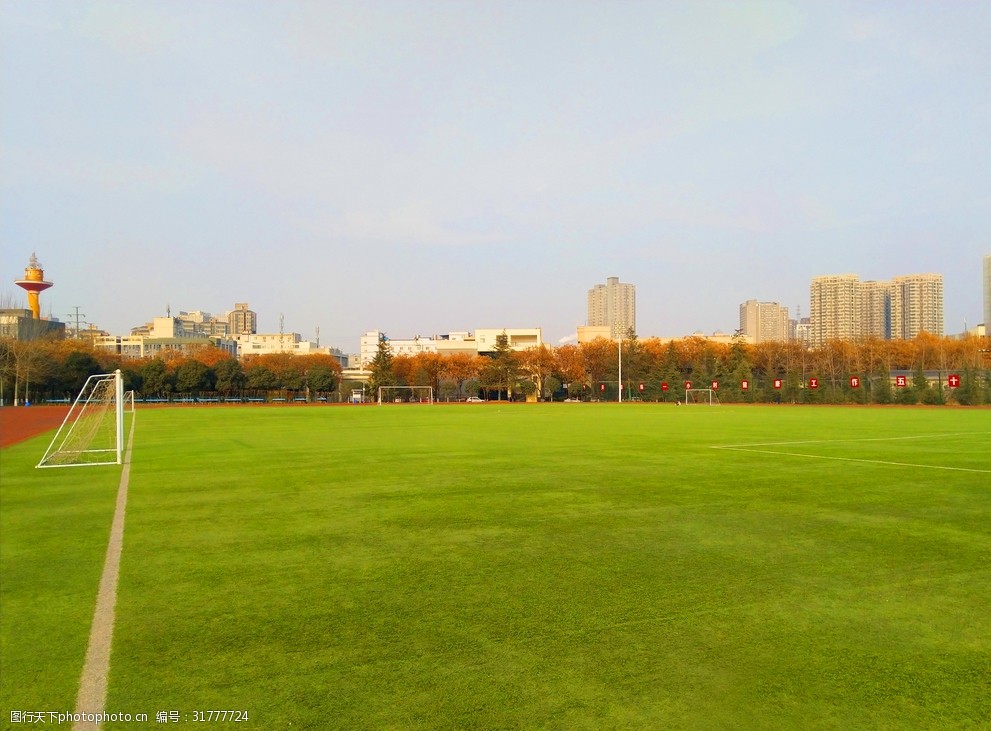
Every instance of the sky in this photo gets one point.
(426, 167)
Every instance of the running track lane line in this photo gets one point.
(92, 698)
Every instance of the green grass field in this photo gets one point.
(568, 566)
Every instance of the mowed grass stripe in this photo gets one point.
(54, 527)
(585, 567)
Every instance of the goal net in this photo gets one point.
(92, 433)
(701, 396)
(406, 395)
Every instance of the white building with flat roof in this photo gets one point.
(483, 341)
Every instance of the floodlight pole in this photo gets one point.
(620, 374)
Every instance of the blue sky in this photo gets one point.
(424, 167)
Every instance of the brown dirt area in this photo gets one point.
(18, 423)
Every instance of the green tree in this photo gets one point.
(230, 376)
(321, 378)
(192, 377)
(502, 371)
(155, 378)
(381, 367)
(261, 378)
(72, 373)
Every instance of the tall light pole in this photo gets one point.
(620, 374)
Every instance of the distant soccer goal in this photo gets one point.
(701, 396)
(92, 433)
(406, 395)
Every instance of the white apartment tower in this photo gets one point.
(917, 300)
(613, 304)
(764, 321)
(834, 308)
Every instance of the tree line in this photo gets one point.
(55, 370)
(864, 371)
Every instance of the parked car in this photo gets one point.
(475, 400)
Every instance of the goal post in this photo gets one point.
(701, 396)
(406, 394)
(92, 433)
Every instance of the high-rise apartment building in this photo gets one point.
(241, 320)
(613, 304)
(876, 315)
(917, 299)
(845, 308)
(834, 308)
(987, 293)
(764, 321)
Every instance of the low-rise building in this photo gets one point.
(22, 325)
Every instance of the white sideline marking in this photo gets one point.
(92, 698)
(753, 448)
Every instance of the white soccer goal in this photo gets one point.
(406, 394)
(701, 396)
(92, 433)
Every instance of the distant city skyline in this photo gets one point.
(387, 164)
(841, 306)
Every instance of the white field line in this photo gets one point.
(755, 447)
(92, 698)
